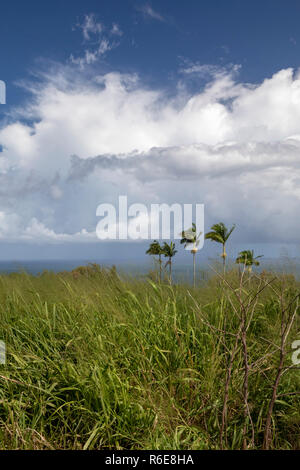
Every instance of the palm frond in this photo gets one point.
(214, 236)
(154, 249)
(247, 258)
(169, 249)
(219, 233)
(230, 232)
(190, 237)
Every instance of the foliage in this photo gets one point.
(247, 258)
(220, 233)
(95, 361)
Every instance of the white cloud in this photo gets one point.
(38, 231)
(99, 42)
(90, 26)
(92, 56)
(13, 229)
(149, 12)
(195, 161)
(115, 29)
(233, 146)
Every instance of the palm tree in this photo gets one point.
(156, 250)
(220, 234)
(247, 258)
(169, 251)
(191, 239)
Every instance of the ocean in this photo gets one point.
(140, 268)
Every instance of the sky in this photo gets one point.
(165, 102)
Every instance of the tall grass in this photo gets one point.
(99, 362)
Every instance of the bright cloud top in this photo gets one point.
(232, 146)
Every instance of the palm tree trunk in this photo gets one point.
(224, 259)
(159, 268)
(170, 261)
(194, 269)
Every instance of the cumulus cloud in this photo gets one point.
(13, 229)
(233, 146)
(196, 161)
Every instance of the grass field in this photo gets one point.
(96, 362)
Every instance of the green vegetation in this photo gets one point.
(248, 259)
(99, 362)
(169, 252)
(156, 250)
(220, 234)
(192, 240)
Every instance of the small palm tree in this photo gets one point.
(220, 234)
(190, 239)
(169, 251)
(156, 250)
(247, 258)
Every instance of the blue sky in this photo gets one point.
(205, 94)
(261, 36)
